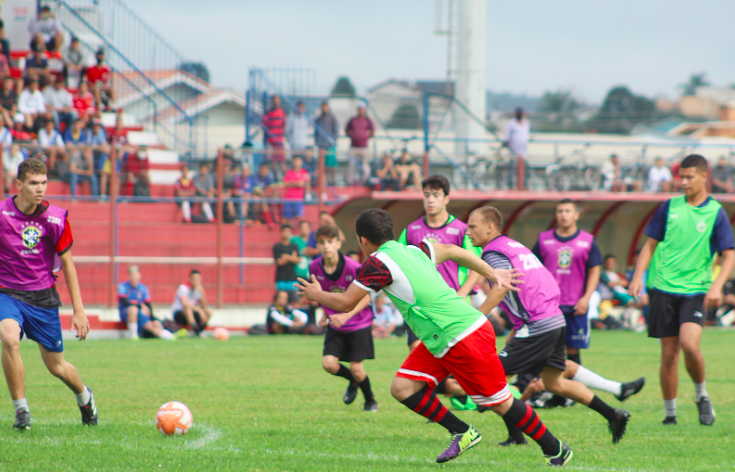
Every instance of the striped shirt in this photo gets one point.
(274, 123)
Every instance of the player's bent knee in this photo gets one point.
(402, 388)
(330, 364)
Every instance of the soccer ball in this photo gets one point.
(221, 334)
(174, 419)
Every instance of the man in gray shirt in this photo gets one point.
(326, 132)
(75, 63)
(297, 129)
(59, 102)
(205, 186)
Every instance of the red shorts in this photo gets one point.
(473, 362)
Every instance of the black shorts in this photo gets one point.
(530, 355)
(180, 318)
(410, 336)
(667, 312)
(353, 346)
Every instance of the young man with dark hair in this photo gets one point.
(456, 338)
(573, 258)
(286, 255)
(190, 309)
(36, 242)
(349, 335)
(438, 226)
(683, 237)
(536, 344)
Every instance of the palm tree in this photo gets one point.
(695, 81)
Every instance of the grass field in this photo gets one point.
(264, 403)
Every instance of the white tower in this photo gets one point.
(470, 82)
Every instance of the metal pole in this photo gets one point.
(114, 188)
(220, 212)
(321, 177)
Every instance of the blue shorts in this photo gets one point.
(142, 319)
(578, 329)
(38, 324)
(287, 286)
(293, 210)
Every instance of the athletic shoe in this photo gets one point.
(22, 420)
(629, 389)
(564, 456)
(511, 441)
(541, 400)
(460, 443)
(372, 405)
(134, 337)
(469, 405)
(181, 333)
(706, 412)
(617, 424)
(669, 421)
(89, 411)
(350, 393)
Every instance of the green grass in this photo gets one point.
(264, 403)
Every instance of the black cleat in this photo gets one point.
(629, 389)
(89, 411)
(618, 424)
(350, 394)
(669, 421)
(371, 405)
(706, 412)
(564, 456)
(22, 420)
(511, 441)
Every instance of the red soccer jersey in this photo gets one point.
(98, 73)
(84, 104)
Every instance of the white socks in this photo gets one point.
(593, 380)
(21, 404)
(700, 390)
(166, 334)
(186, 210)
(207, 210)
(84, 397)
(670, 406)
(132, 330)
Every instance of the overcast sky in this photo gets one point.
(532, 45)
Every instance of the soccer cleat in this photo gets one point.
(629, 389)
(669, 421)
(181, 333)
(511, 441)
(350, 393)
(541, 400)
(469, 405)
(22, 420)
(618, 424)
(564, 456)
(706, 412)
(89, 411)
(460, 443)
(371, 405)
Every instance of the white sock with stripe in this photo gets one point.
(593, 380)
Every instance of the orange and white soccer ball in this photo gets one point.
(221, 334)
(174, 419)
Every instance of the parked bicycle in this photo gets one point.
(578, 175)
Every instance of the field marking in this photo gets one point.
(210, 435)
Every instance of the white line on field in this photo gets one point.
(209, 435)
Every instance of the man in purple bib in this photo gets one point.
(349, 335)
(536, 344)
(573, 258)
(35, 242)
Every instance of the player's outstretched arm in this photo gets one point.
(339, 301)
(338, 320)
(644, 259)
(503, 277)
(79, 320)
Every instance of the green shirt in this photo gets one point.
(430, 307)
(302, 268)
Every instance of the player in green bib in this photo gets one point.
(456, 338)
(683, 236)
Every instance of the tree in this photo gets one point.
(556, 112)
(622, 110)
(695, 81)
(343, 88)
(406, 116)
(197, 69)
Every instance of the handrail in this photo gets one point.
(107, 43)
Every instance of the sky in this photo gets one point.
(586, 46)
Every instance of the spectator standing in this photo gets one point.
(659, 177)
(4, 63)
(46, 30)
(286, 255)
(11, 161)
(37, 66)
(99, 77)
(296, 183)
(326, 132)
(8, 100)
(274, 124)
(612, 175)
(84, 102)
(297, 129)
(190, 308)
(31, 104)
(134, 303)
(205, 186)
(59, 102)
(51, 141)
(75, 63)
(409, 172)
(300, 240)
(4, 42)
(360, 129)
(184, 188)
(722, 177)
(515, 137)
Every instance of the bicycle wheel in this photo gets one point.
(482, 171)
(554, 178)
(593, 178)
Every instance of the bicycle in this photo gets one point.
(580, 175)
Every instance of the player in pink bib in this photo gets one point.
(35, 242)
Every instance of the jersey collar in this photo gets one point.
(335, 276)
(446, 223)
(566, 239)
